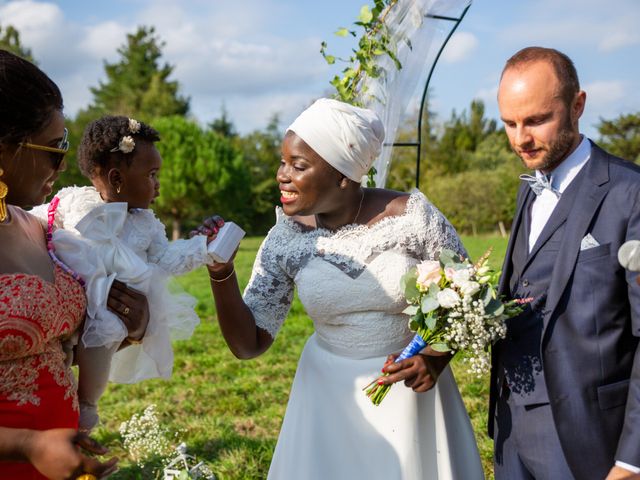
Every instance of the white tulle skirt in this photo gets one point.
(331, 430)
(100, 257)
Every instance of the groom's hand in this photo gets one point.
(619, 473)
(419, 372)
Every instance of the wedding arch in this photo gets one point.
(401, 43)
(453, 20)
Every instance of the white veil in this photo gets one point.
(389, 94)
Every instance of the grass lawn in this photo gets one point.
(229, 411)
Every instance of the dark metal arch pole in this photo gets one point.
(418, 144)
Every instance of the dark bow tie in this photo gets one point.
(538, 184)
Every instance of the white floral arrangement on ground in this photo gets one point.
(146, 440)
(453, 307)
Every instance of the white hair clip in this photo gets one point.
(134, 125)
(126, 145)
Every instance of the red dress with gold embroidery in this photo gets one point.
(37, 387)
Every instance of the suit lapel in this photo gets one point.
(593, 189)
(507, 266)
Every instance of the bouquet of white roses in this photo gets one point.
(453, 306)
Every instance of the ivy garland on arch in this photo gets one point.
(374, 42)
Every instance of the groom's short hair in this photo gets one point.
(562, 64)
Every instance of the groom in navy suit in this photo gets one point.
(565, 382)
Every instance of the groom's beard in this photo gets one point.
(556, 151)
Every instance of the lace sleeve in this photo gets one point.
(438, 232)
(270, 290)
(177, 257)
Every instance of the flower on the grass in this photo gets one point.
(144, 437)
(147, 439)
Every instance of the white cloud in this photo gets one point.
(460, 46)
(102, 41)
(238, 63)
(32, 19)
(602, 94)
(606, 26)
(618, 40)
(254, 111)
(487, 95)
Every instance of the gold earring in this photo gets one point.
(3, 194)
(118, 189)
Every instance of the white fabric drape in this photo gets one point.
(415, 37)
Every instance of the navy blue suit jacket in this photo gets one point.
(591, 362)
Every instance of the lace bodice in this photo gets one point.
(347, 280)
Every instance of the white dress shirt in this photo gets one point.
(561, 178)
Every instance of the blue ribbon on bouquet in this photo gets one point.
(414, 347)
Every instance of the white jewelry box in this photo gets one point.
(225, 243)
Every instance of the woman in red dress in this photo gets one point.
(41, 303)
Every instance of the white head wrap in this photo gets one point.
(347, 137)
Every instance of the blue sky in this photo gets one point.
(260, 57)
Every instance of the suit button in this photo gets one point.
(525, 283)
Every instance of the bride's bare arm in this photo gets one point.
(244, 338)
(237, 321)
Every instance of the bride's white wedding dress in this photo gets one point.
(349, 284)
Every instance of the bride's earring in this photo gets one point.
(3, 194)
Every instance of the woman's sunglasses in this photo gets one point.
(57, 153)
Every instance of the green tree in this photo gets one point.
(261, 151)
(138, 85)
(621, 136)
(202, 173)
(10, 40)
(402, 169)
(223, 125)
(461, 135)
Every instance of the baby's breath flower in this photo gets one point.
(144, 437)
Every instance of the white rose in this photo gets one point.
(461, 276)
(448, 298)
(469, 288)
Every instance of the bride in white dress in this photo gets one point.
(345, 249)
